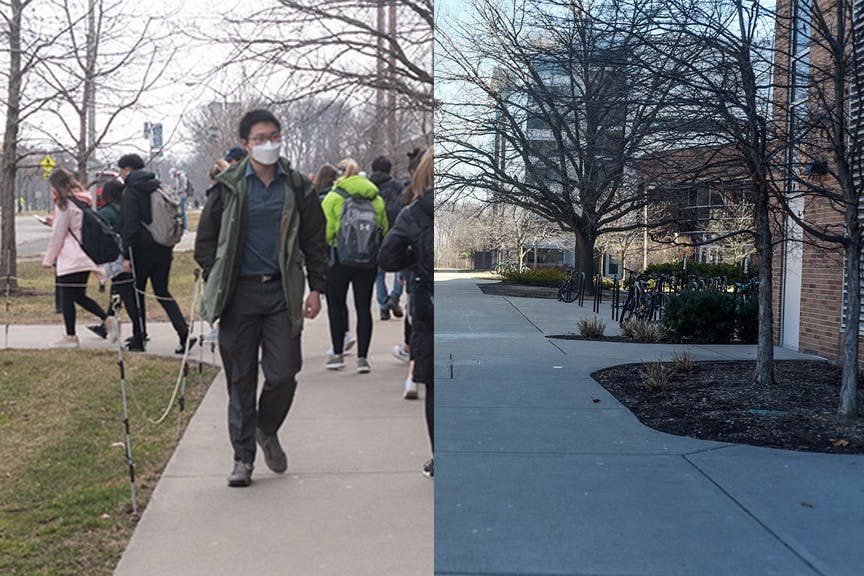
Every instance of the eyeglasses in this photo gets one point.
(274, 137)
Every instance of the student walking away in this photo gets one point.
(67, 254)
(323, 182)
(123, 283)
(151, 226)
(410, 245)
(324, 179)
(356, 222)
(390, 190)
(265, 222)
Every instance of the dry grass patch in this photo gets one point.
(64, 482)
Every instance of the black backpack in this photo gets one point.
(359, 236)
(423, 284)
(98, 240)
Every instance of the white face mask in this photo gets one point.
(267, 153)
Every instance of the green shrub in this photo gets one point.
(748, 321)
(704, 317)
(540, 277)
(703, 269)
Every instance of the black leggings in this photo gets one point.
(362, 281)
(430, 412)
(74, 291)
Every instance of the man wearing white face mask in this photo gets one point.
(261, 224)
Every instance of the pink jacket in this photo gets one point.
(63, 249)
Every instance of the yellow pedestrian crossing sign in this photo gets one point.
(47, 165)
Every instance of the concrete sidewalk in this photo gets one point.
(535, 477)
(353, 501)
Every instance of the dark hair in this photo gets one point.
(63, 181)
(132, 161)
(254, 117)
(235, 153)
(112, 192)
(414, 158)
(327, 174)
(381, 164)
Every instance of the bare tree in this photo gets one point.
(26, 49)
(820, 89)
(723, 72)
(348, 51)
(545, 107)
(103, 66)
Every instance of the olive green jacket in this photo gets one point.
(222, 232)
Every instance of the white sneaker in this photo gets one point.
(111, 328)
(401, 353)
(66, 342)
(410, 389)
(347, 344)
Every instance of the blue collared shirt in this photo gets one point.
(263, 219)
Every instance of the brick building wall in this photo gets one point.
(821, 302)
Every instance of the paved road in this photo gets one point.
(534, 477)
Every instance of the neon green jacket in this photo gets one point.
(355, 186)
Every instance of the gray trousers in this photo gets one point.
(257, 316)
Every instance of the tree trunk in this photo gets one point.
(8, 246)
(849, 389)
(584, 261)
(764, 374)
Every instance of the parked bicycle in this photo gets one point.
(571, 288)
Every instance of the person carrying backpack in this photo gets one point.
(148, 240)
(67, 254)
(122, 284)
(356, 223)
(391, 191)
(410, 244)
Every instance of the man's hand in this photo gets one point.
(313, 305)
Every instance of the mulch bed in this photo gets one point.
(719, 401)
(604, 339)
(519, 290)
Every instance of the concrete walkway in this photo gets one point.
(534, 477)
(353, 501)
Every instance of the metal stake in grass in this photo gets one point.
(117, 305)
(181, 401)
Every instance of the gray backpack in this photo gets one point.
(359, 236)
(166, 228)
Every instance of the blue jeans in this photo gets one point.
(381, 293)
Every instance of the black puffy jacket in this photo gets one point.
(390, 190)
(135, 211)
(408, 245)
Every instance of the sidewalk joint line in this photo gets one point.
(750, 514)
(556, 346)
(523, 315)
(557, 453)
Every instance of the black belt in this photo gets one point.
(262, 278)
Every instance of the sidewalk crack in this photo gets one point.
(751, 515)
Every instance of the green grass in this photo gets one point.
(64, 482)
(35, 303)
